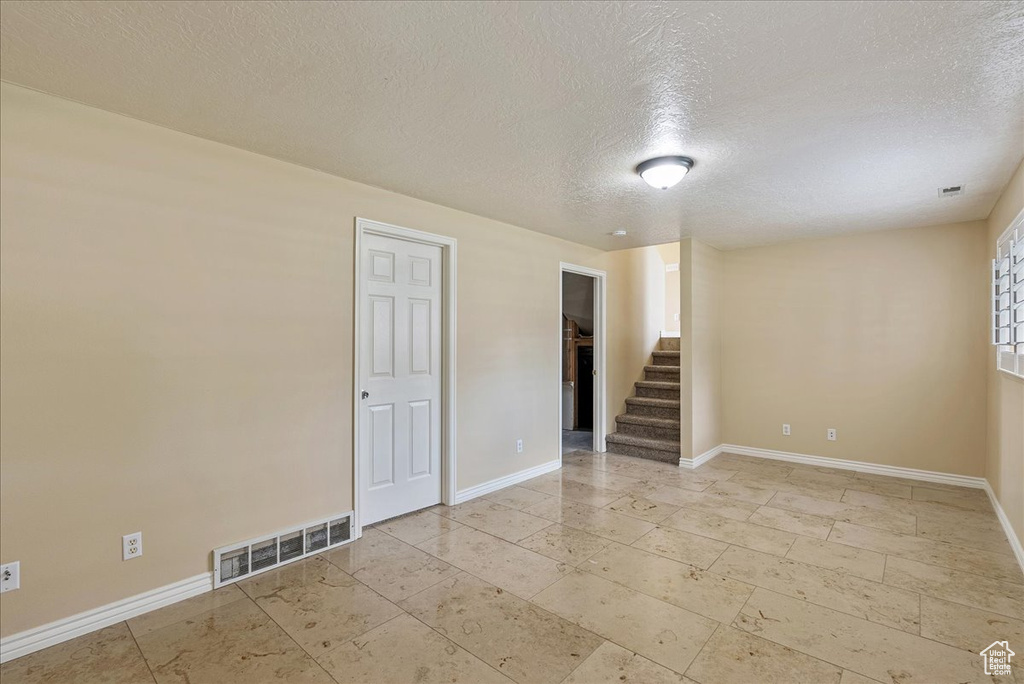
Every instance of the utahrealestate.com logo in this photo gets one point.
(997, 658)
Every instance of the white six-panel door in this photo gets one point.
(400, 377)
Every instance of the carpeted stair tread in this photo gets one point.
(651, 421)
(652, 401)
(657, 384)
(644, 442)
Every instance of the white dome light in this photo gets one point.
(664, 172)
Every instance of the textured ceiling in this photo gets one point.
(804, 119)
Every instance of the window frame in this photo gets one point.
(1009, 248)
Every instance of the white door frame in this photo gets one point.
(600, 351)
(449, 247)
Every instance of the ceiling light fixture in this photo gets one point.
(664, 172)
(619, 233)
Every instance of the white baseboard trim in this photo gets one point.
(860, 466)
(32, 640)
(506, 481)
(692, 463)
(1011, 534)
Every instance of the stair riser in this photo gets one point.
(641, 452)
(670, 343)
(671, 413)
(660, 360)
(648, 431)
(670, 374)
(657, 393)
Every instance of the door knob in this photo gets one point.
(365, 394)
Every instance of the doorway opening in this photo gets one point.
(582, 359)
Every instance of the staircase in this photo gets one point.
(650, 426)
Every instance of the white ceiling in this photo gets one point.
(804, 119)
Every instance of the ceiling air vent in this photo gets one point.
(237, 561)
(952, 191)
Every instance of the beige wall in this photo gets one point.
(670, 255)
(1005, 468)
(177, 348)
(706, 347)
(700, 274)
(881, 335)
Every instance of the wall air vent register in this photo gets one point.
(238, 561)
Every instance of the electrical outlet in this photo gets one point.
(519, 446)
(10, 576)
(831, 434)
(131, 545)
(785, 429)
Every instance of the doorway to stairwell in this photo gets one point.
(582, 359)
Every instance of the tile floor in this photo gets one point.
(577, 440)
(613, 569)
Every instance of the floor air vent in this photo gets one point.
(238, 561)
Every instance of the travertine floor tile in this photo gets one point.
(981, 532)
(553, 484)
(696, 590)
(803, 487)
(493, 518)
(520, 640)
(861, 515)
(726, 507)
(513, 568)
(840, 574)
(742, 492)
(612, 663)
(565, 544)
(518, 498)
(233, 644)
(900, 491)
(972, 629)
(644, 509)
(967, 498)
(714, 472)
(601, 478)
(682, 478)
(870, 649)
(417, 527)
(845, 559)
(682, 546)
(406, 650)
(803, 524)
(733, 656)
(392, 568)
(829, 476)
(888, 479)
(317, 604)
(598, 521)
(851, 677)
(107, 656)
(994, 565)
(752, 464)
(731, 531)
(666, 634)
(176, 612)
(940, 522)
(859, 597)
(1004, 598)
